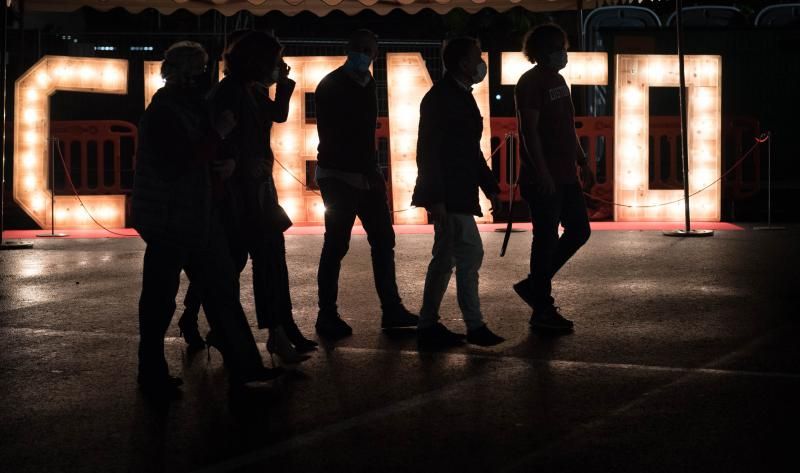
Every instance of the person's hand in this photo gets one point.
(223, 167)
(587, 177)
(495, 200)
(543, 183)
(225, 123)
(438, 213)
(283, 72)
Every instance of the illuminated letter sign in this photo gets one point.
(295, 141)
(635, 75)
(32, 132)
(582, 68)
(408, 81)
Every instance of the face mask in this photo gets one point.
(200, 82)
(480, 73)
(359, 62)
(558, 59)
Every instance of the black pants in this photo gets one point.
(549, 252)
(273, 300)
(213, 273)
(342, 204)
(270, 280)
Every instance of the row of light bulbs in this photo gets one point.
(408, 80)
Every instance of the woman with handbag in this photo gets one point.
(252, 64)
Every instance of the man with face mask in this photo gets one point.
(351, 184)
(548, 180)
(451, 169)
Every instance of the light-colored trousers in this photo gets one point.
(457, 243)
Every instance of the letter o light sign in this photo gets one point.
(636, 73)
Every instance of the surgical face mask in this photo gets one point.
(480, 73)
(558, 59)
(359, 62)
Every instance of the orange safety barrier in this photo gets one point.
(99, 154)
(597, 138)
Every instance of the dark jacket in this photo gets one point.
(347, 115)
(251, 193)
(450, 163)
(172, 187)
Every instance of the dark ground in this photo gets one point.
(685, 358)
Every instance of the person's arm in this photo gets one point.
(276, 110)
(429, 189)
(487, 182)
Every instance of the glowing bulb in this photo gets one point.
(111, 74)
(29, 116)
(106, 213)
(632, 96)
(598, 69)
(288, 142)
(655, 71)
(702, 178)
(312, 142)
(29, 182)
(407, 115)
(406, 143)
(87, 72)
(37, 203)
(61, 215)
(63, 72)
(28, 160)
(632, 179)
(578, 70)
(42, 78)
(31, 138)
(704, 98)
(32, 95)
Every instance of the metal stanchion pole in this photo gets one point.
(769, 187)
(52, 234)
(687, 231)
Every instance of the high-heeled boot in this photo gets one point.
(301, 343)
(278, 345)
(190, 333)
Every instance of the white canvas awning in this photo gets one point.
(318, 7)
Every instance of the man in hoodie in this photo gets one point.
(451, 169)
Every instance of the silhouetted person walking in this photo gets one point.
(451, 169)
(548, 178)
(174, 213)
(352, 184)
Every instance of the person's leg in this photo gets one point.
(191, 306)
(545, 213)
(188, 321)
(468, 252)
(373, 210)
(264, 281)
(575, 220)
(160, 282)
(214, 270)
(438, 276)
(340, 214)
